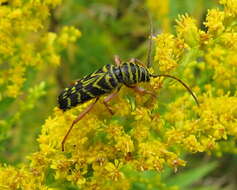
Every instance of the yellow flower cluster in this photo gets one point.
(187, 29)
(169, 50)
(217, 121)
(230, 7)
(214, 21)
(138, 136)
(25, 41)
(221, 45)
(101, 146)
(12, 178)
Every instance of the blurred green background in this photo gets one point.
(108, 27)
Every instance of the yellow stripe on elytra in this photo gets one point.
(68, 102)
(104, 69)
(78, 97)
(73, 90)
(108, 82)
(88, 93)
(98, 86)
(113, 75)
(96, 74)
(88, 81)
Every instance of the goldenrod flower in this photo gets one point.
(214, 23)
(230, 7)
(21, 45)
(168, 51)
(187, 30)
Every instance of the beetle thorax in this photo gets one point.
(132, 73)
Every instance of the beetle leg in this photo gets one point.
(117, 60)
(82, 114)
(137, 61)
(108, 98)
(143, 91)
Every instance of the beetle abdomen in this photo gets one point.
(101, 82)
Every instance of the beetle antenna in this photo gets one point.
(149, 51)
(180, 81)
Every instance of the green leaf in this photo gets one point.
(189, 177)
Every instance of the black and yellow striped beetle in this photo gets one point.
(108, 80)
